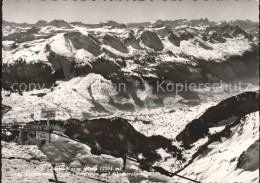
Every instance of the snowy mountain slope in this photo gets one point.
(121, 32)
(74, 67)
(80, 97)
(71, 50)
(233, 146)
(93, 96)
(220, 159)
(36, 163)
(170, 124)
(118, 54)
(222, 114)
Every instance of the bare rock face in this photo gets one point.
(40, 23)
(88, 43)
(61, 63)
(202, 43)
(185, 36)
(151, 40)
(114, 24)
(132, 41)
(163, 32)
(230, 29)
(109, 53)
(216, 37)
(249, 159)
(59, 24)
(174, 39)
(115, 43)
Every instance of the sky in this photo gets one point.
(124, 11)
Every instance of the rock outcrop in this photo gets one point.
(80, 41)
(174, 39)
(249, 159)
(40, 23)
(59, 24)
(216, 37)
(163, 32)
(151, 40)
(114, 42)
(132, 41)
(114, 24)
(230, 29)
(185, 35)
(202, 43)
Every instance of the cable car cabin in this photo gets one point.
(28, 137)
(10, 135)
(24, 136)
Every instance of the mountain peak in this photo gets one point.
(113, 24)
(40, 23)
(59, 23)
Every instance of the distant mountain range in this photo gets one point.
(175, 51)
(143, 73)
(195, 22)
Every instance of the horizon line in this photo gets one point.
(131, 22)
